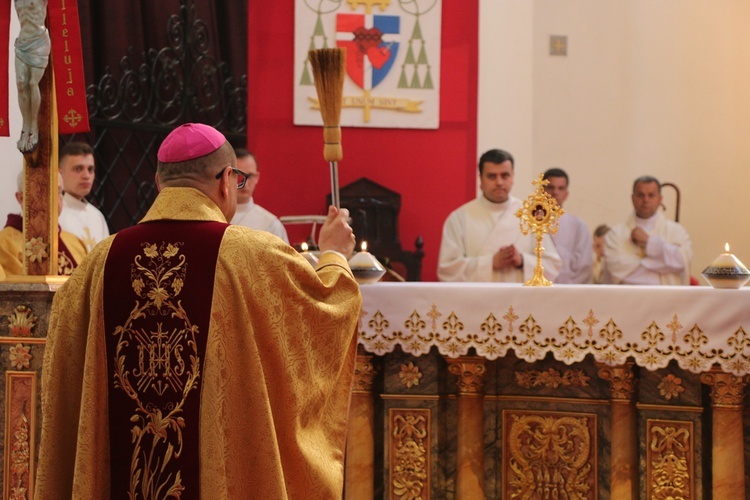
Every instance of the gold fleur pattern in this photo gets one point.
(19, 356)
(552, 378)
(554, 453)
(409, 453)
(21, 323)
(456, 318)
(671, 387)
(409, 375)
(36, 249)
(669, 459)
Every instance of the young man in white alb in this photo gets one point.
(79, 216)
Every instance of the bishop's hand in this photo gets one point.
(336, 233)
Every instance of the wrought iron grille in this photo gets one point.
(130, 114)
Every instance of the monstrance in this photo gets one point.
(539, 214)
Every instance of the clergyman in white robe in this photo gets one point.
(665, 261)
(576, 248)
(475, 231)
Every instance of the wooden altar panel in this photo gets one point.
(549, 455)
(24, 316)
(20, 439)
(670, 459)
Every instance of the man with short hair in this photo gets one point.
(648, 249)
(187, 357)
(80, 217)
(250, 214)
(482, 239)
(572, 239)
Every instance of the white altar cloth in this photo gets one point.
(695, 326)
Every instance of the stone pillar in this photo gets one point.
(624, 455)
(728, 446)
(359, 477)
(470, 459)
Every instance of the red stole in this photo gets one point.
(66, 263)
(158, 287)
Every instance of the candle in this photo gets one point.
(365, 266)
(309, 257)
(726, 271)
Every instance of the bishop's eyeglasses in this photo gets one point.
(242, 177)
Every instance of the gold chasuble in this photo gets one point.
(190, 358)
(70, 249)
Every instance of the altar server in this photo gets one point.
(648, 249)
(189, 357)
(80, 217)
(482, 239)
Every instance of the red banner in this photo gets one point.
(4, 70)
(67, 63)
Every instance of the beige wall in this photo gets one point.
(654, 87)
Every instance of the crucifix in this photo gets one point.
(47, 28)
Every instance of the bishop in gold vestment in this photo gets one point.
(191, 358)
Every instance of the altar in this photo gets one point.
(481, 390)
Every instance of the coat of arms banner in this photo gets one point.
(392, 60)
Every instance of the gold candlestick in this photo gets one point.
(539, 215)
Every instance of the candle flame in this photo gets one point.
(726, 247)
(364, 246)
(303, 246)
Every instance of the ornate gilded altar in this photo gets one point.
(504, 391)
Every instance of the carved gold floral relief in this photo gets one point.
(19, 356)
(549, 455)
(20, 414)
(552, 378)
(726, 389)
(409, 375)
(22, 321)
(470, 372)
(671, 387)
(409, 453)
(622, 381)
(36, 249)
(669, 459)
(364, 374)
(20, 456)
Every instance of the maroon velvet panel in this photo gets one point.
(158, 284)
